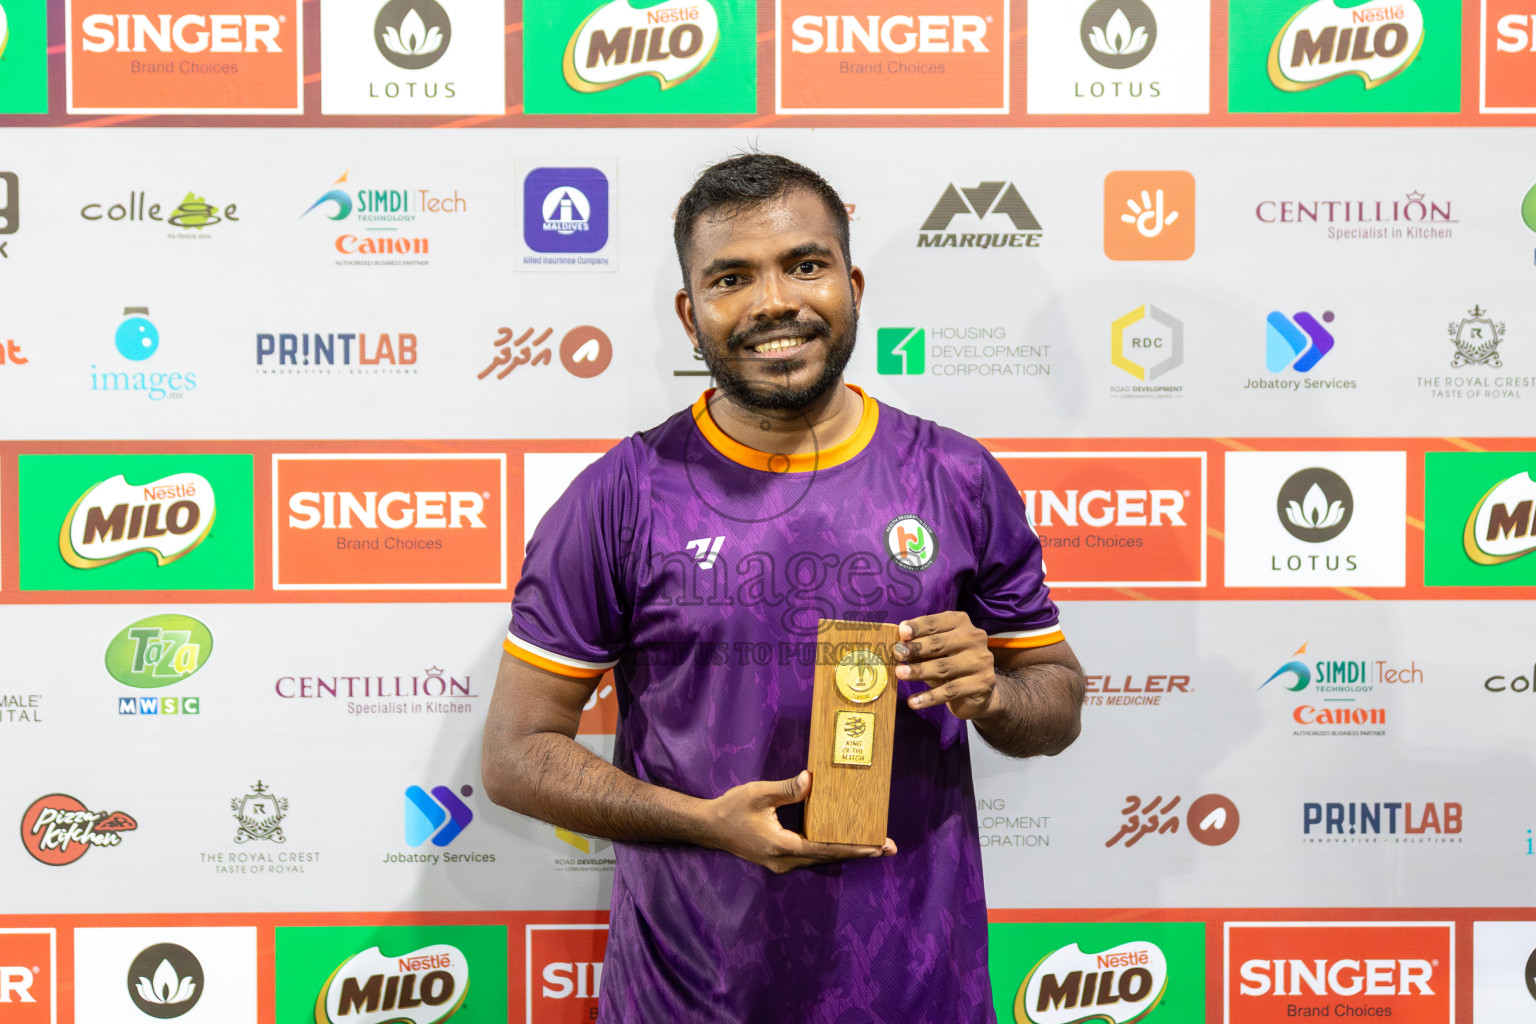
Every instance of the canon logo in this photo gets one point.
(1105, 508)
(396, 510)
(1338, 978)
(901, 33)
(190, 33)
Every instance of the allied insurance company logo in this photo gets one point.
(28, 964)
(1116, 519)
(1149, 215)
(892, 57)
(1508, 82)
(174, 57)
(563, 971)
(389, 522)
(1277, 971)
(566, 214)
(58, 829)
(137, 339)
(991, 205)
(387, 218)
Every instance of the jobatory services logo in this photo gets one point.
(892, 57)
(1478, 528)
(136, 522)
(1508, 82)
(177, 58)
(1415, 217)
(563, 971)
(389, 226)
(614, 57)
(959, 351)
(1119, 57)
(191, 216)
(392, 975)
(1280, 970)
(23, 57)
(57, 829)
(1325, 518)
(137, 340)
(584, 351)
(1115, 519)
(1295, 344)
(336, 353)
(389, 522)
(1146, 343)
(567, 215)
(1212, 819)
(439, 815)
(1397, 56)
(1149, 215)
(992, 206)
(28, 980)
(413, 57)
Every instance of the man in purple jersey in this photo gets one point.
(694, 560)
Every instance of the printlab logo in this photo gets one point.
(566, 219)
(1212, 819)
(165, 980)
(137, 339)
(1296, 342)
(990, 201)
(1367, 822)
(1509, 57)
(412, 34)
(1476, 338)
(259, 815)
(335, 353)
(1149, 215)
(900, 350)
(57, 829)
(1119, 34)
(1146, 343)
(1315, 505)
(439, 816)
(585, 351)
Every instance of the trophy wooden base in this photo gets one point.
(853, 723)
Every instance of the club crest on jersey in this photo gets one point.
(911, 542)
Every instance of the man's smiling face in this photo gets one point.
(772, 304)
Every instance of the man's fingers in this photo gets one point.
(927, 625)
(800, 848)
(790, 791)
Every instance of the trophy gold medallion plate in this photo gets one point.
(853, 724)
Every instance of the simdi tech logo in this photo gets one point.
(1279, 971)
(892, 57)
(1478, 519)
(413, 57)
(633, 57)
(1508, 82)
(28, 978)
(379, 225)
(392, 975)
(136, 522)
(1400, 56)
(178, 57)
(23, 57)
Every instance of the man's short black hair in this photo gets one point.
(746, 181)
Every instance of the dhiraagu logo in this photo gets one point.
(159, 651)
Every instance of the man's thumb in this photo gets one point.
(793, 790)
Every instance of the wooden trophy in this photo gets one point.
(853, 723)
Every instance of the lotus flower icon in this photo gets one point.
(1118, 33)
(1117, 37)
(412, 34)
(166, 987)
(412, 38)
(1314, 505)
(1315, 512)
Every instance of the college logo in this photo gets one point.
(1119, 34)
(1476, 338)
(1149, 215)
(178, 59)
(440, 816)
(165, 980)
(1101, 973)
(585, 351)
(893, 57)
(57, 829)
(1212, 819)
(259, 815)
(992, 202)
(389, 522)
(412, 34)
(23, 58)
(1478, 519)
(1279, 971)
(1146, 343)
(1115, 519)
(566, 217)
(564, 972)
(910, 542)
(1328, 55)
(680, 56)
(158, 651)
(1508, 84)
(193, 213)
(27, 978)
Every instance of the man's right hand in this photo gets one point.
(743, 822)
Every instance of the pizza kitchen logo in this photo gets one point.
(423, 986)
(57, 829)
(168, 517)
(1120, 985)
(1323, 42)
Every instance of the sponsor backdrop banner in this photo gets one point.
(288, 379)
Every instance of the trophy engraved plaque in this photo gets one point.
(853, 722)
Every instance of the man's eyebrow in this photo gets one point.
(800, 252)
(723, 264)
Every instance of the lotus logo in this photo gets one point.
(1324, 41)
(165, 980)
(671, 41)
(1500, 527)
(114, 519)
(1315, 505)
(1119, 985)
(1119, 33)
(412, 34)
(424, 986)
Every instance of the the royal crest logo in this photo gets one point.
(910, 542)
(57, 829)
(424, 986)
(114, 519)
(616, 43)
(158, 651)
(1499, 528)
(1476, 338)
(1070, 986)
(1323, 41)
(259, 815)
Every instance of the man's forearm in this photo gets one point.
(1034, 710)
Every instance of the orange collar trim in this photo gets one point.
(802, 462)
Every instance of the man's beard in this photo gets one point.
(772, 395)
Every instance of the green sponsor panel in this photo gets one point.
(902, 350)
(1458, 552)
(1429, 83)
(158, 651)
(23, 57)
(634, 57)
(223, 558)
(1153, 972)
(470, 987)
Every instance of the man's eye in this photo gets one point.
(728, 281)
(806, 266)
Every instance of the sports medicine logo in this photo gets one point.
(567, 218)
(1146, 343)
(412, 57)
(1508, 82)
(28, 975)
(57, 829)
(177, 58)
(440, 816)
(990, 201)
(1149, 215)
(564, 971)
(892, 57)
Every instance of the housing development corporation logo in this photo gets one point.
(959, 351)
(901, 350)
(892, 57)
(567, 214)
(57, 829)
(1478, 518)
(174, 57)
(412, 57)
(1508, 84)
(1149, 215)
(990, 205)
(1073, 973)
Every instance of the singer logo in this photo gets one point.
(564, 971)
(1115, 519)
(389, 522)
(1509, 57)
(1279, 971)
(180, 56)
(27, 975)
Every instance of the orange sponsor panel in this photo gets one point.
(893, 56)
(27, 986)
(1509, 56)
(1149, 215)
(389, 522)
(1115, 519)
(185, 56)
(564, 971)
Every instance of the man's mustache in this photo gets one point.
(813, 327)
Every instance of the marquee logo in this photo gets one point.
(1500, 527)
(423, 986)
(991, 201)
(564, 971)
(168, 517)
(176, 57)
(57, 829)
(1323, 41)
(27, 975)
(1508, 83)
(158, 651)
(1116, 986)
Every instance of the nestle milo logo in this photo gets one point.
(158, 651)
(114, 519)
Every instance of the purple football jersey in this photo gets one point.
(697, 568)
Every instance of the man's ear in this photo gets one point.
(856, 281)
(683, 304)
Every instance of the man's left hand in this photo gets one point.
(951, 657)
